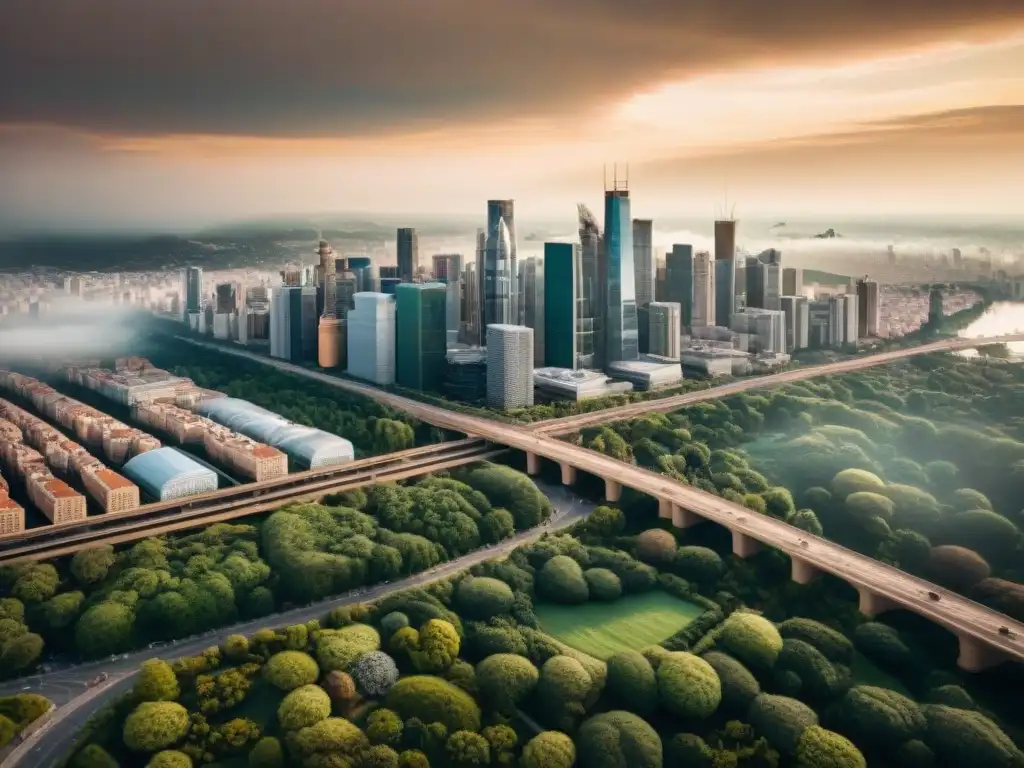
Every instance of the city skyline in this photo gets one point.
(909, 108)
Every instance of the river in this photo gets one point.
(1000, 318)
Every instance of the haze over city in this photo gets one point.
(170, 115)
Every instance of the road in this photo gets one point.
(68, 688)
(952, 611)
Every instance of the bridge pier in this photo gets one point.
(976, 656)
(872, 604)
(803, 572)
(664, 509)
(532, 463)
(684, 518)
(612, 490)
(744, 546)
(568, 473)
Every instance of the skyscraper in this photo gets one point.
(725, 240)
(666, 320)
(797, 315)
(501, 303)
(192, 279)
(329, 331)
(421, 323)
(725, 291)
(679, 281)
(703, 314)
(764, 329)
(590, 316)
(643, 260)
(293, 323)
(371, 338)
(621, 333)
(531, 291)
(869, 308)
(509, 366)
(408, 254)
(792, 281)
(562, 305)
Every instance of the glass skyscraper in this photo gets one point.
(500, 275)
(679, 281)
(421, 335)
(621, 335)
(408, 254)
(561, 305)
(725, 291)
(590, 294)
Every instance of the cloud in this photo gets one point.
(357, 67)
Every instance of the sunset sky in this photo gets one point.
(189, 112)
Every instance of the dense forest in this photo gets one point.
(465, 673)
(104, 601)
(918, 464)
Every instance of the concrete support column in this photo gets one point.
(532, 464)
(664, 509)
(568, 473)
(684, 518)
(612, 490)
(977, 656)
(803, 572)
(871, 604)
(744, 546)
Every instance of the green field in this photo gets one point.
(604, 629)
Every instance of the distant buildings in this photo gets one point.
(792, 281)
(665, 319)
(679, 285)
(500, 265)
(531, 295)
(761, 330)
(371, 338)
(869, 308)
(795, 308)
(408, 254)
(293, 323)
(509, 366)
(703, 313)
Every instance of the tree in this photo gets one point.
(835, 645)
(752, 639)
(561, 580)
(374, 674)
(304, 707)
(806, 520)
(632, 682)
(466, 749)
(497, 525)
(505, 679)
(434, 700)
(688, 686)
(103, 629)
(155, 725)
(969, 739)
(820, 748)
(36, 584)
(699, 564)
(656, 547)
(851, 481)
(170, 758)
(289, 670)
(957, 567)
(333, 735)
(267, 753)
(482, 598)
(501, 738)
(603, 585)
(821, 679)
(739, 686)
(618, 740)
(157, 682)
(384, 727)
(778, 502)
(21, 654)
(412, 758)
(93, 756)
(781, 720)
(340, 650)
(606, 522)
(549, 749)
(437, 647)
(341, 688)
(879, 718)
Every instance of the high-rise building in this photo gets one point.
(281, 322)
(869, 308)
(703, 312)
(388, 285)
(421, 324)
(408, 254)
(590, 317)
(447, 266)
(725, 291)
(192, 282)
(452, 310)
(303, 324)
(440, 270)
(501, 302)
(371, 338)
(562, 306)
(509, 366)
(621, 333)
(665, 320)
(469, 331)
(679, 281)
(797, 322)
(725, 240)
(643, 261)
(764, 329)
(329, 331)
(531, 292)
(291, 275)
(226, 298)
(792, 281)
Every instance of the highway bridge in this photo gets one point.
(50, 541)
(986, 637)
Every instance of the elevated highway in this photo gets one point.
(986, 636)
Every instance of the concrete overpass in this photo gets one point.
(986, 637)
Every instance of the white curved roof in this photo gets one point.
(154, 471)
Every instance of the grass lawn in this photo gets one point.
(603, 629)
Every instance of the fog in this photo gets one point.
(69, 337)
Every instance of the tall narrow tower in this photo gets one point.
(329, 333)
(621, 333)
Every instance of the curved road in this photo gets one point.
(69, 688)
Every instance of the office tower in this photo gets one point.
(764, 280)
(192, 281)
(371, 338)
(958, 258)
(643, 261)
(325, 278)
(531, 292)
(420, 321)
(661, 281)
(303, 324)
(501, 302)
(469, 328)
(346, 285)
(725, 291)
(851, 322)
(764, 329)
(440, 270)
(797, 322)
(842, 320)
(621, 333)
(703, 313)
(408, 254)
(755, 277)
(447, 266)
(329, 354)
(280, 322)
(353, 263)
(591, 296)
(562, 306)
(452, 310)
(936, 310)
(389, 284)
(666, 320)
(725, 240)
(388, 271)
(792, 281)
(509, 366)
(869, 308)
(291, 275)
(679, 281)
(480, 271)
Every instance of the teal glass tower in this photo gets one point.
(561, 305)
(621, 334)
(420, 342)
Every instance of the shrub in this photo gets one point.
(550, 749)
(95, 756)
(821, 680)
(966, 499)
(170, 758)
(1003, 595)
(982, 530)
(819, 748)
(304, 707)
(781, 720)
(157, 682)
(806, 520)
(969, 739)
(342, 648)
(563, 679)
(434, 700)
(690, 750)
(851, 481)
(699, 564)
(752, 639)
(656, 547)
(618, 740)
(384, 727)
(632, 682)
(835, 645)
(374, 674)
(289, 670)
(103, 629)
(437, 647)
(957, 567)
(235, 647)
(883, 645)
(482, 598)
(332, 735)
(952, 696)
(739, 686)
(688, 686)
(465, 748)
(603, 584)
(915, 754)
(267, 753)
(412, 758)
(340, 686)
(155, 725)
(505, 679)
(879, 717)
(393, 622)
(561, 580)
(866, 505)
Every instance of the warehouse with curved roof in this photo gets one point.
(167, 473)
(308, 447)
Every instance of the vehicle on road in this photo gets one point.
(934, 596)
